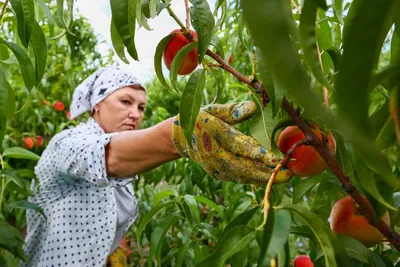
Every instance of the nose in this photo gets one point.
(134, 113)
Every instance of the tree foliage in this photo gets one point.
(335, 64)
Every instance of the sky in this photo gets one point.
(99, 15)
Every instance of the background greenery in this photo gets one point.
(188, 218)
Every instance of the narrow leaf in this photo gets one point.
(28, 72)
(60, 16)
(193, 211)
(241, 219)
(23, 204)
(212, 204)
(216, 42)
(158, 60)
(20, 153)
(309, 41)
(160, 195)
(25, 13)
(230, 243)
(338, 9)
(124, 17)
(329, 243)
(48, 14)
(4, 94)
(177, 62)
(39, 47)
(157, 237)
(146, 219)
(355, 249)
(117, 43)
(358, 60)
(394, 107)
(302, 188)
(203, 23)
(190, 103)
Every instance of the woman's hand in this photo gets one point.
(223, 151)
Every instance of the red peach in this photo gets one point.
(39, 140)
(191, 60)
(346, 220)
(303, 261)
(59, 106)
(305, 160)
(28, 143)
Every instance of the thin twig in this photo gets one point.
(326, 93)
(296, 6)
(283, 162)
(3, 9)
(187, 14)
(214, 65)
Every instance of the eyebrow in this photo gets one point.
(132, 98)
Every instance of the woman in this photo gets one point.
(85, 173)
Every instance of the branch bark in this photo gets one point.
(364, 206)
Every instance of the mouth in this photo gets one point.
(130, 126)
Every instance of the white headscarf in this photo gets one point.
(98, 86)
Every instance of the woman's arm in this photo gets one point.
(134, 152)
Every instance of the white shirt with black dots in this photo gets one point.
(87, 212)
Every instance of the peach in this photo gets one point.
(191, 60)
(305, 160)
(28, 143)
(59, 106)
(302, 261)
(39, 140)
(346, 220)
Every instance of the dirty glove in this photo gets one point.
(117, 258)
(223, 151)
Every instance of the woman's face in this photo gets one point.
(123, 110)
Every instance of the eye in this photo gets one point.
(141, 108)
(125, 102)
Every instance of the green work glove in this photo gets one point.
(223, 151)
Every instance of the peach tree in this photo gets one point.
(304, 63)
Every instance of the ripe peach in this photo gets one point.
(346, 220)
(28, 143)
(59, 106)
(302, 261)
(39, 140)
(191, 60)
(305, 160)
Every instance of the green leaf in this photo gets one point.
(4, 85)
(149, 8)
(358, 60)
(190, 103)
(325, 194)
(20, 153)
(241, 28)
(203, 22)
(39, 47)
(146, 219)
(177, 62)
(158, 60)
(23, 204)
(216, 42)
(60, 16)
(4, 53)
(160, 195)
(369, 181)
(25, 64)
(117, 43)
(48, 14)
(276, 233)
(387, 135)
(309, 41)
(220, 83)
(7, 101)
(124, 17)
(333, 252)
(241, 219)
(285, 122)
(182, 251)
(335, 55)
(192, 212)
(236, 239)
(157, 237)
(11, 240)
(267, 21)
(25, 13)
(306, 185)
(212, 204)
(338, 9)
(355, 249)
(388, 72)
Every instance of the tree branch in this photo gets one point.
(3, 9)
(364, 206)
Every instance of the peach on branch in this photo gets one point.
(346, 220)
(59, 106)
(305, 160)
(190, 61)
(302, 261)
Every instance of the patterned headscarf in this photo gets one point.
(98, 86)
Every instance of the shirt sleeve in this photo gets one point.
(82, 156)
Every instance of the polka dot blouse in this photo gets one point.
(87, 212)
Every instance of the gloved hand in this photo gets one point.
(223, 151)
(117, 258)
